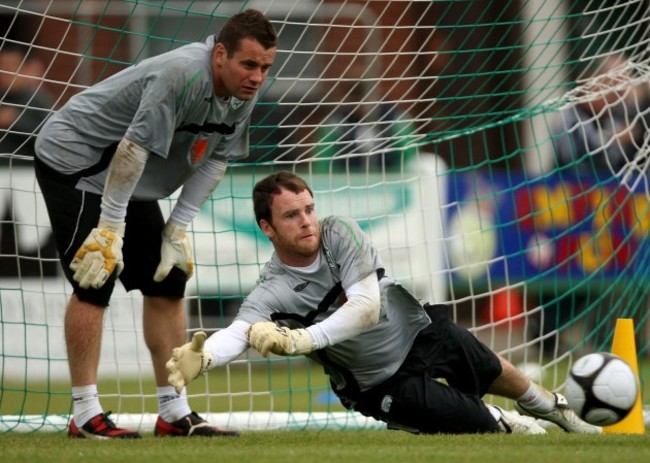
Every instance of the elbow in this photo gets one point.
(364, 298)
(370, 316)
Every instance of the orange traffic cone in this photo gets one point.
(624, 346)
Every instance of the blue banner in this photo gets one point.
(554, 226)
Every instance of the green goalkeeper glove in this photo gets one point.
(175, 251)
(188, 362)
(99, 255)
(268, 337)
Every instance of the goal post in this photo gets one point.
(440, 127)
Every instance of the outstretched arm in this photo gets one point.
(360, 312)
(200, 355)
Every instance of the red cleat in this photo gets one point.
(100, 427)
(190, 425)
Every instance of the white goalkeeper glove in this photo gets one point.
(175, 251)
(188, 362)
(99, 255)
(268, 337)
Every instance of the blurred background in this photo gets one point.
(496, 152)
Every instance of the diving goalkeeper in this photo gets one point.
(325, 294)
(105, 159)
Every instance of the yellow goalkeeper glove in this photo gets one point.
(188, 362)
(99, 255)
(175, 251)
(268, 337)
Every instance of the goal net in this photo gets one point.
(495, 152)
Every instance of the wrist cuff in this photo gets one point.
(115, 227)
(174, 231)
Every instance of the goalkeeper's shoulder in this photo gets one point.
(339, 222)
(338, 228)
(264, 285)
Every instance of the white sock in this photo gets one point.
(85, 404)
(171, 405)
(538, 399)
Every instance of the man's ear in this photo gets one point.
(267, 229)
(219, 54)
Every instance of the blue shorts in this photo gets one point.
(74, 213)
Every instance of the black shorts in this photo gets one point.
(416, 399)
(74, 213)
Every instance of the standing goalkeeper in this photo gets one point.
(324, 294)
(103, 162)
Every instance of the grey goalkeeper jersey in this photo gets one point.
(298, 299)
(166, 104)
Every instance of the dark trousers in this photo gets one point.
(439, 386)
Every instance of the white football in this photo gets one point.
(601, 388)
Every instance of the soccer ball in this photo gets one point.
(601, 388)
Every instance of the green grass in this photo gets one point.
(332, 446)
(278, 385)
(284, 386)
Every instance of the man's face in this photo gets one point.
(10, 63)
(242, 74)
(295, 232)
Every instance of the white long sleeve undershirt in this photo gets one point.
(197, 190)
(360, 312)
(124, 173)
(229, 343)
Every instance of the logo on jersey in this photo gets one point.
(198, 150)
(235, 102)
(386, 402)
(301, 287)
